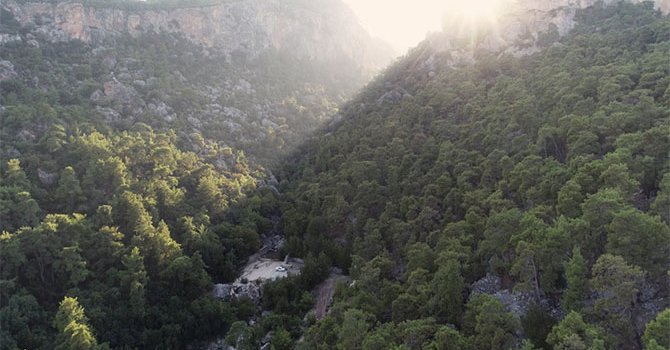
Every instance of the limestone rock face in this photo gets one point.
(232, 291)
(322, 30)
(7, 70)
(519, 28)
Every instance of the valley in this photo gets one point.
(266, 175)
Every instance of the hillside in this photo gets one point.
(135, 158)
(503, 201)
(252, 75)
(500, 188)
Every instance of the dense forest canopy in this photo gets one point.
(508, 203)
(131, 181)
(547, 172)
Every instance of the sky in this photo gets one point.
(405, 23)
(401, 23)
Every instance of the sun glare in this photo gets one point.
(404, 23)
(472, 10)
(472, 14)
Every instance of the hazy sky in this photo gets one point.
(402, 23)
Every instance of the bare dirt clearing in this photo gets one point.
(267, 269)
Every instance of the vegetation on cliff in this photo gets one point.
(549, 171)
(515, 202)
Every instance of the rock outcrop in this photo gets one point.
(7, 70)
(322, 30)
(252, 75)
(519, 27)
(232, 291)
(516, 302)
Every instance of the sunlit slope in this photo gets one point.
(548, 172)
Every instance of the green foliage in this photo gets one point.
(617, 284)
(537, 324)
(21, 318)
(494, 328)
(447, 289)
(355, 325)
(656, 334)
(447, 338)
(69, 193)
(661, 204)
(242, 336)
(536, 169)
(641, 239)
(131, 252)
(577, 280)
(573, 333)
(72, 324)
(281, 340)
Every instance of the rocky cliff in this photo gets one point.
(519, 27)
(322, 30)
(256, 75)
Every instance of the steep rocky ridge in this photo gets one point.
(518, 28)
(323, 30)
(252, 75)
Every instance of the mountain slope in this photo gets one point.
(456, 192)
(256, 75)
(133, 159)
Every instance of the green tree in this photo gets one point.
(537, 324)
(576, 276)
(69, 194)
(380, 338)
(492, 326)
(355, 325)
(656, 335)
(618, 176)
(242, 336)
(572, 333)
(641, 239)
(447, 292)
(72, 265)
(134, 280)
(281, 340)
(26, 212)
(526, 269)
(569, 198)
(599, 210)
(54, 139)
(447, 338)
(497, 247)
(617, 284)
(15, 177)
(419, 255)
(661, 204)
(74, 333)
(186, 277)
(22, 322)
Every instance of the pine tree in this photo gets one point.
(69, 194)
(134, 279)
(15, 177)
(573, 333)
(448, 285)
(577, 280)
(657, 333)
(617, 284)
(74, 332)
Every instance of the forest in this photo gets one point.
(549, 172)
(448, 194)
